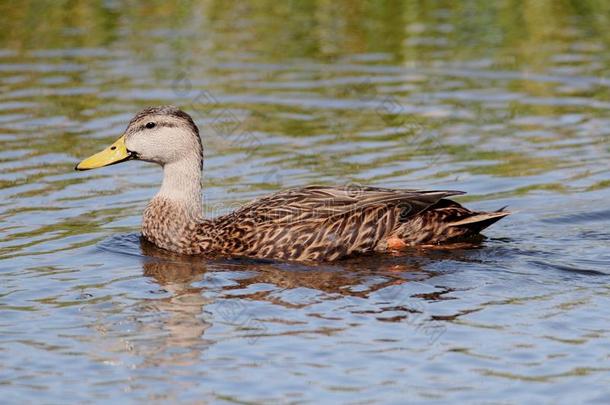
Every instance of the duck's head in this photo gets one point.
(163, 135)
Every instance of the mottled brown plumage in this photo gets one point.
(314, 223)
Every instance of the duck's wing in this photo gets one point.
(320, 222)
(322, 203)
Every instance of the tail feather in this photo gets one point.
(476, 223)
(445, 221)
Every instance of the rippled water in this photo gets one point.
(508, 102)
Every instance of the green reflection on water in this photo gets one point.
(510, 29)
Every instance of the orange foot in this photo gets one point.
(395, 243)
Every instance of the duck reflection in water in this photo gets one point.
(234, 295)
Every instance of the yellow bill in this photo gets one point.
(115, 153)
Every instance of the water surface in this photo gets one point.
(508, 102)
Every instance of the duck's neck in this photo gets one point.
(182, 185)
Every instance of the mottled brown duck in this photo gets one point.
(313, 223)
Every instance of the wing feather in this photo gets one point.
(321, 203)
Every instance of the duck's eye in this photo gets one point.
(151, 125)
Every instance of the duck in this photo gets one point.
(314, 223)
